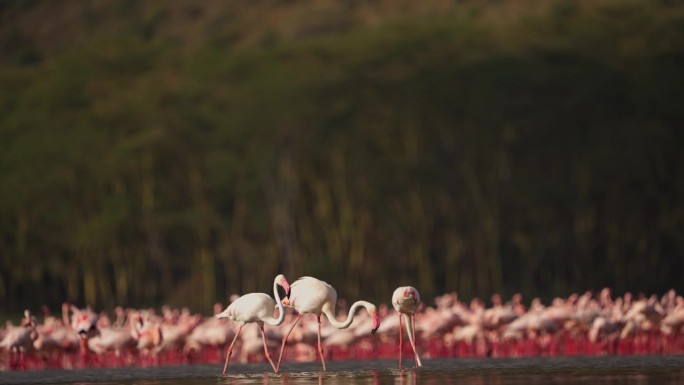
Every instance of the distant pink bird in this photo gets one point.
(19, 339)
(311, 295)
(256, 307)
(84, 322)
(405, 301)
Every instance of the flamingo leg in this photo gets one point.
(320, 349)
(230, 349)
(401, 341)
(83, 344)
(412, 338)
(282, 347)
(268, 356)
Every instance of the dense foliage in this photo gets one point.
(182, 151)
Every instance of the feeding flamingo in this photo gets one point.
(311, 295)
(256, 307)
(405, 301)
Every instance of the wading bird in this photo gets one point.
(405, 301)
(312, 296)
(258, 308)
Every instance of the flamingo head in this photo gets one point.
(376, 322)
(85, 324)
(138, 322)
(280, 280)
(27, 318)
(411, 294)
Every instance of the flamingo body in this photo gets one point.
(20, 339)
(117, 340)
(309, 295)
(252, 307)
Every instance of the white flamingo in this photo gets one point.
(256, 307)
(405, 301)
(312, 296)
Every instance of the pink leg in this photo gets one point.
(230, 349)
(320, 349)
(401, 341)
(268, 356)
(282, 347)
(83, 347)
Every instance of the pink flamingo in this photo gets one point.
(674, 320)
(311, 295)
(84, 322)
(119, 340)
(405, 301)
(210, 332)
(256, 307)
(54, 335)
(19, 339)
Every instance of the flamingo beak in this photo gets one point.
(286, 286)
(376, 323)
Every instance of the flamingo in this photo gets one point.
(405, 301)
(54, 334)
(312, 296)
(19, 339)
(176, 334)
(209, 332)
(256, 307)
(84, 322)
(116, 339)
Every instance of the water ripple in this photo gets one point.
(661, 370)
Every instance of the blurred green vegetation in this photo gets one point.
(176, 151)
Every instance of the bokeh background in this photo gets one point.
(179, 151)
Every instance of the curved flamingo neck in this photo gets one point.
(281, 310)
(409, 327)
(350, 317)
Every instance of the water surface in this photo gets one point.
(657, 370)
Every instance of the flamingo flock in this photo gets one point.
(580, 324)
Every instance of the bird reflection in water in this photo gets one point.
(322, 377)
(407, 377)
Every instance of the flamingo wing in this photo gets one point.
(308, 295)
(252, 307)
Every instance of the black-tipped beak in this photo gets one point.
(376, 323)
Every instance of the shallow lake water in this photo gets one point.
(657, 370)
